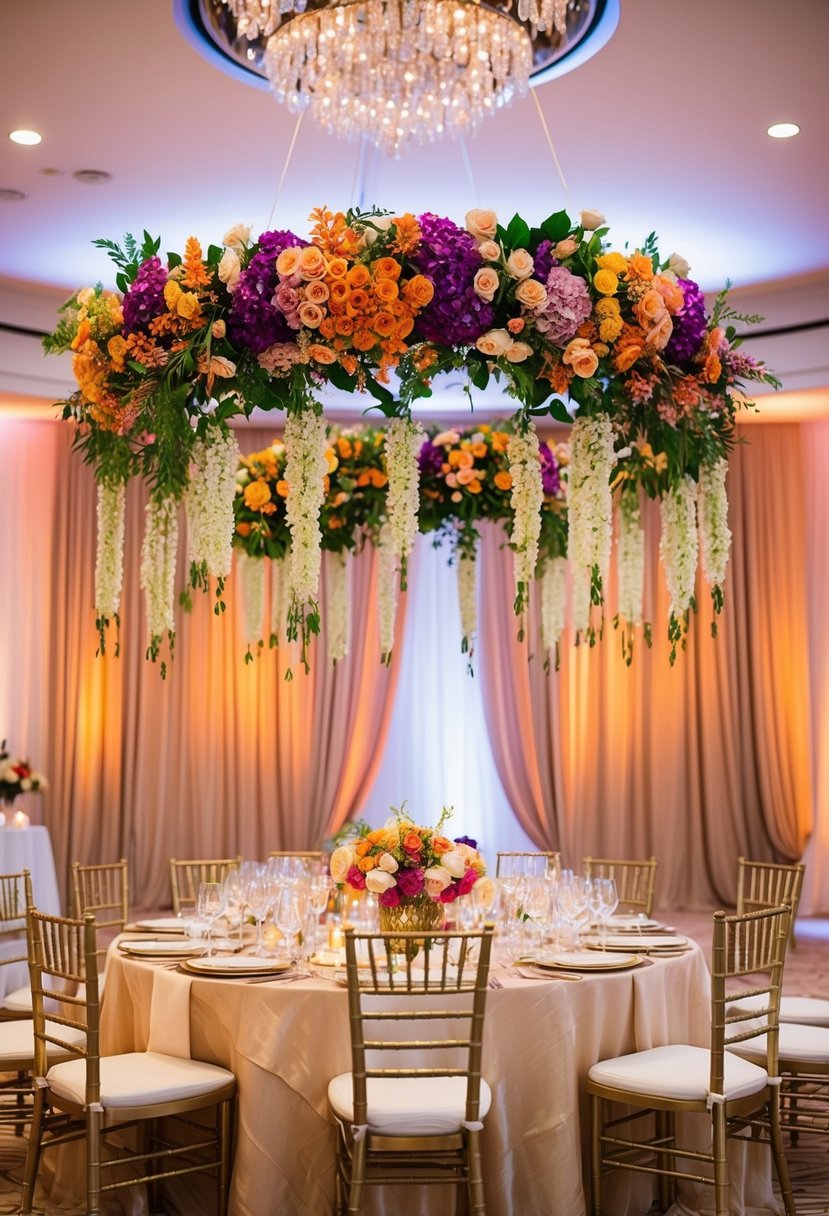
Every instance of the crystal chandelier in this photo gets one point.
(395, 71)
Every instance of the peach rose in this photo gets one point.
(337, 268)
(236, 237)
(651, 306)
(490, 251)
(287, 263)
(310, 314)
(218, 329)
(456, 497)
(482, 224)
(531, 294)
(494, 343)
(661, 329)
(454, 863)
(591, 220)
(566, 248)
(518, 352)
(316, 292)
(677, 263)
(486, 283)
(321, 354)
(670, 291)
(342, 859)
(387, 863)
(311, 263)
(516, 324)
(520, 264)
(229, 269)
(580, 355)
(437, 879)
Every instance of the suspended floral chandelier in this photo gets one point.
(400, 71)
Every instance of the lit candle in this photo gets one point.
(20, 820)
(336, 938)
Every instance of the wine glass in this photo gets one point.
(210, 905)
(234, 901)
(608, 902)
(288, 916)
(259, 899)
(319, 890)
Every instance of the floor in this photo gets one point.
(807, 973)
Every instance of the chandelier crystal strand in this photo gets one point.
(404, 439)
(679, 550)
(714, 532)
(252, 576)
(337, 606)
(553, 603)
(526, 501)
(279, 598)
(468, 599)
(158, 572)
(109, 557)
(386, 591)
(590, 504)
(399, 70)
(305, 470)
(209, 502)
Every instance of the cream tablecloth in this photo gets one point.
(284, 1041)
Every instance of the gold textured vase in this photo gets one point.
(414, 914)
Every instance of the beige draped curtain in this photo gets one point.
(695, 763)
(220, 758)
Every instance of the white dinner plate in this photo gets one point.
(632, 922)
(587, 960)
(644, 941)
(237, 964)
(163, 924)
(162, 948)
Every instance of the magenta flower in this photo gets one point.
(468, 881)
(410, 882)
(449, 894)
(390, 898)
(356, 879)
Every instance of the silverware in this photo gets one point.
(526, 973)
(494, 982)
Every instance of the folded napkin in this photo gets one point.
(170, 1014)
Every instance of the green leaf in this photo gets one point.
(137, 367)
(556, 227)
(214, 255)
(479, 374)
(518, 233)
(380, 393)
(173, 260)
(558, 410)
(340, 378)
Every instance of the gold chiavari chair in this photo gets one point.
(505, 861)
(91, 1098)
(413, 1106)
(104, 891)
(766, 884)
(15, 898)
(665, 1081)
(635, 881)
(187, 876)
(299, 854)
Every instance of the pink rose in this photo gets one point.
(286, 299)
(391, 898)
(566, 248)
(468, 881)
(356, 879)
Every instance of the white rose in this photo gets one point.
(677, 263)
(520, 264)
(237, 237)
(378, 881)
(482, 224)
(388, 863)
(467, 853)
(342, 859)
(494, 343)
(454, 863)
(490, 251)
(437, 879)
(446, 439)
(591, 220)
(518, 352)
(26, 783)
(230, 268)
(370, 235)
(243, 477)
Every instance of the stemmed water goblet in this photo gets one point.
(288, 914)
(210, 905)
(604, 902)
(259, 900)
(234, 901)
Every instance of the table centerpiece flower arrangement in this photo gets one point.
(414, 871)
(16, 777)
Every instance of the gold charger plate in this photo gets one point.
(585, 960)
(237, 964)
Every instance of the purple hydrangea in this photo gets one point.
(144, 299)
(255, 322)
(568, 306)
(430, 459)
(448, 256)
(689, 325)
(543, 260)
(550, 479)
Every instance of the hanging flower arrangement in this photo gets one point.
(573, 328)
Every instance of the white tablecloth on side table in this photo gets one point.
(27, 849)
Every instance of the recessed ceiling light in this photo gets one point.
(11, 196)
(783, 130)
(25, 137)
(92, 177)
(52, 172)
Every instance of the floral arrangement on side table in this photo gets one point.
(17, 776)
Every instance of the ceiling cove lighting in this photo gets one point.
(783, 130)
(24, 136)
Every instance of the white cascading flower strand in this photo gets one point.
(158, 571)
(386, 591)
(580, 576)
(590, 506)
(631, 557)
(404, 439)
(280, 593)
(526, 500)
(712, 517)
(305, 470)
(109, 558)
(337, 606)
(468, 599)
(251, 572)
(209, 502)
(553, 602)
(679, 550)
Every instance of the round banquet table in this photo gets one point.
(27, 849)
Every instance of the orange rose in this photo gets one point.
(386, 290)
(344, 326)
(713, 368)
(366, 864)
(364, 339)
(359, 303)
(474, 486)
(419, 291)
(328, 327)
(405, 327)
(503, 480)
(340, 292)
(478, 450)
(282, 488)
(441, 845)
(466, 476)
(362, 847)
(243, 529)
(358, 276)
(627, 357)
(580, 355)
(321, 354)
(377, 478)
(639, 265)
(384, 324)
(412, 842)
(349, 363)
(649, 307)
(337, 268)
(387, 268)
(257, 493)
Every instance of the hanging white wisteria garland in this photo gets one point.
(158, 573)
(404, 439)
(305, 470)
(526, 500)
(630, 562)
(590, 509)
(280, 593)
(252, 576)
(553, 605)
(679, 550)
(714, 532)
(109, 557)
(468, 599)
(337, 605)
(386, 591)
(209, 504)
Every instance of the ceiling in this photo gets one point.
(664, 129)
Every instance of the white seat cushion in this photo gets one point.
(798, 1044)
(19, 1001)
(805, 1010)
(679, 1072)
(408, 1106)
(141, 1078)
(17, 1040)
